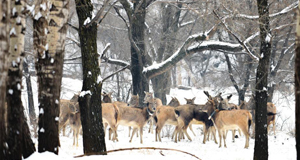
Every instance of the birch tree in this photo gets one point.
(19, 140)
(4, 47)
(49, 40)
(261, 95)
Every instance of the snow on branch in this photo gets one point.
(284, 11)
(116, 62)
(193, 44)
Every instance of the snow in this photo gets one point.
(281, 145)
(13, 31)
(88, 20)
(83, 93)
(43, 6)
(10, 91)
(38, 16)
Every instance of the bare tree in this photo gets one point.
(49, 42)
(89, 100)
(261, 91)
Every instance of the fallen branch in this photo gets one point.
(141, 148)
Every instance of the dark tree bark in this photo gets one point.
(273, 72)
(89, 101)
(261, 95)
(32, 114)
(171, 14)
(50, 54)
(14, 81)
(138, 56)
(241, 91)
(297, 83)
(27, 143)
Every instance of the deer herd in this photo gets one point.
(217, 114)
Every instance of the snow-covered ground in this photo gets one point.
(281, 146)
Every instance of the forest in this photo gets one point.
(60, 58)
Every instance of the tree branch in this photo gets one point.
(190, 46)
(243, 44)
(122, 69)
(230, 73)
(98, 15)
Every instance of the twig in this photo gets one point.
(122, 69)
(243, 44)
(140, 148)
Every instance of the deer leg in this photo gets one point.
(187, 135)
(220, 137)
(191, 128)
(141, 135)
(233, 135)
(133, 132)
(224, 138)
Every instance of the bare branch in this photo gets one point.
(98, 15)
(239, 41)
(122, 69)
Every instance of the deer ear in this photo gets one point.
(229, 97)
(185, 99)
(194, 98)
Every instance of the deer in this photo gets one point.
(135, 118)
(203, 107)
(134, 102)
(67, 107)
(225, 119)
(153, 101)
(174, 102)
(70, 114)
(271, 113)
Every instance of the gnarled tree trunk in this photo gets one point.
(89, 100)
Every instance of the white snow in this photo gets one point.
(42, 130)
(10, 91)
(99, 79)
(38, 16)
(42, 111)
(43, 6)
(281, 146)
(83, 93)
(88, 20)
(13, 31)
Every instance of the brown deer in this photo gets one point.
(136, 118)
(67, 107)
(70, 114)
(226, 119)
(174, 102)
(271, 113)
(153, 101)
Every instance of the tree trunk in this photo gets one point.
(162, 83)
(138, 56)
(261, 95)
(4, 47)
(297, 83)
(90, 101)
(14, 82)
(50, 53)
(27, 143)
(32, 114)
